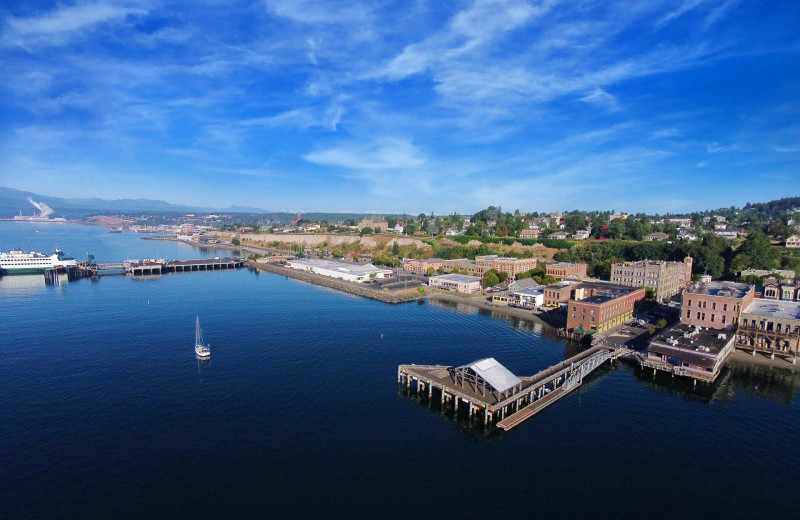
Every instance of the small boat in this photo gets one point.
(202, 350)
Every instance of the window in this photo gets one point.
(712, 318)
(688, 314)
(723, 318)
(725, 307)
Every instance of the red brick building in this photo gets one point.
(715, 305)
(597, 306)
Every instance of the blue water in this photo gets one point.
(105, 412)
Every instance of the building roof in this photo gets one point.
(722, 289)
(564, 264)
(457, 278)
(343, 267)
(532, 291)
(524, 283)
(774, 309)
(495, 374)
(691, 344)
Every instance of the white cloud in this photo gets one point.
(665, 133)
(56, 26)
(318, 11)
(384, 154)
(602, 99)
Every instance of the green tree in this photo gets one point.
(366, 231)
(396, 249)
(431, 270)
(235, 240)
(756, 252)
(649, 293)
(490, 280)
(440, 270)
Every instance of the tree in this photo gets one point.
(490, 280)
(756, 253)
(431, 270)
(235, 240)
(440, 270)
(396, 249)
(649, 293)
(366, 231)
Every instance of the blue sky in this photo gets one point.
(404, 106)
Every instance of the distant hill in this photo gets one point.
(13, 201)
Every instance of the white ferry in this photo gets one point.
(20, 262)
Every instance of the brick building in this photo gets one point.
(561, 269)
(422, 265)
(665, 278)
(597, 306)
(715, 305)
(558, 293)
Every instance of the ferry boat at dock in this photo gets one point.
(21, 262)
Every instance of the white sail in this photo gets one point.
(200, 348)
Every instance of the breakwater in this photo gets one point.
(375, 294)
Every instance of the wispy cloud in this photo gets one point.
(55, 28)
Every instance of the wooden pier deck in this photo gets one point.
(527, 397)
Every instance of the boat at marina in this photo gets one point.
(21, 262)
(202, 350)
(115, 229)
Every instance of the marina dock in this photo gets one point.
(494, 394)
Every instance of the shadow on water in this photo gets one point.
(472, 428)
(776, 384)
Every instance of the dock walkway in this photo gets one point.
(528, 396)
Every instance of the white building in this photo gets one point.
(530, 297)
(456, 282)
(340, 270)
(581, 234)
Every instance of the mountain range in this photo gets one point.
(13, 201)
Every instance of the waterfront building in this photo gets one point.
(770, 326)
(581, 234)
(558, 235)
(715, 305)
(502, 298)
(513, 266)
(528, 298)
(461, 264)
(456, 282)
(530, 233)
(557, 293)
(422, 265)
(484, 263)
(525, 283)
(350, 272)
(665, 278)
(688, 350)
(774, 289)
(793, 241)
(560, 270)
(597, 306)
(727, 232)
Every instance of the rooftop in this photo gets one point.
(532, 291)
(774, 309)
(564, 264)
(457, 278)
(722, 289)
(691, 344)
(344, 267)
(495, 374)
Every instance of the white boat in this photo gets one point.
(20, 262)
(202, 350)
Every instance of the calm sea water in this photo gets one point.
(105, 412)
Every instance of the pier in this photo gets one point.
(494, 394)
(158, 267)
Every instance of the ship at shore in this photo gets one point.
(21, 262)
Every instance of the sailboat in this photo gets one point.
(202, 350)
